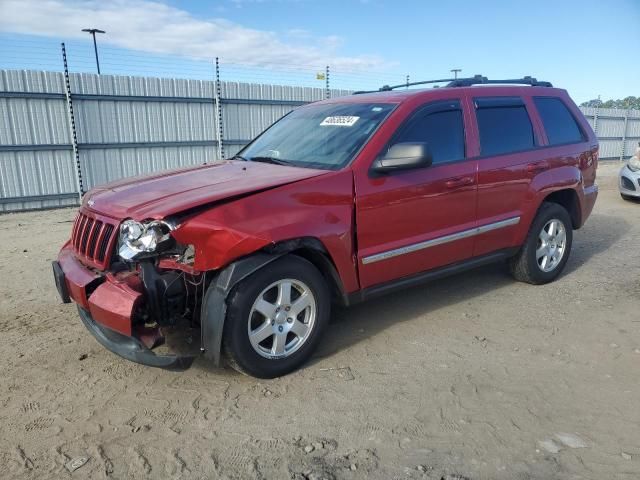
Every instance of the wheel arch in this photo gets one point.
(214, 305)
(569, 200)
(313, 250)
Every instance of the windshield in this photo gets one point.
(318, 136)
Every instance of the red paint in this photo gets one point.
(248, 206)
(173, 264)
(113, 304)
(77, 277)
(320, 207)
(161, 195)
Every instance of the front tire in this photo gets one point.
(546, 249)
(276, 317)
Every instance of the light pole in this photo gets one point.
(93, 32)
(455, 72)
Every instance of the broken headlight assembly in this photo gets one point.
(141, 240)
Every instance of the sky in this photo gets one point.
(589, 47)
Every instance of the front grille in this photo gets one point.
(627, 183)
(93, 240)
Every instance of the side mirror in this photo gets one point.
(404, 156)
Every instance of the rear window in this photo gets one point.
(504, 125)
(560, 125)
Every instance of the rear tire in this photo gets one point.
(547, 247)
(276, 317)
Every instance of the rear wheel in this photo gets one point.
(276, 317)
(546, 248)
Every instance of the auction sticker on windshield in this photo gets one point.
(340, 121)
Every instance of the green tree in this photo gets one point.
(628, 102)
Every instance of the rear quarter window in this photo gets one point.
(504, 125)
(559, 124)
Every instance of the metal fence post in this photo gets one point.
(219, 125)
(72, 124)
(623, 149)
(326, 79)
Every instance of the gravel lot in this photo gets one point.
(476, 376)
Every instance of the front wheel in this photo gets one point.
(546, 248)
(276, 317)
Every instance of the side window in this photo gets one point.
(441, 126)
(504, 125)
(560, 125)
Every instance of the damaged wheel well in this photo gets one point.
(221, 287)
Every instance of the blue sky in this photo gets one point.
(589, 47)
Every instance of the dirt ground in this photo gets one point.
(475, 376)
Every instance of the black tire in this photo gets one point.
(524, 265)
(237, 347)
(628, 198)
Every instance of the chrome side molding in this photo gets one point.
(440, 240)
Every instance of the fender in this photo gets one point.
(320, 207)
(554, 179)
(214, 305)
(541, 186)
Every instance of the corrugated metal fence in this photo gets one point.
(126, 126)
(618, 131)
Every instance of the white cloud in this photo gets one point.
(155, 27)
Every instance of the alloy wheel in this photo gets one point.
(282, 318)
(552, 242)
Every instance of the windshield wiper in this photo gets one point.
(239, 157)
(274, 160)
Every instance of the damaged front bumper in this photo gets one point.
(107, 305)
(130, 347)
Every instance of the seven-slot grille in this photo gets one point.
(93, 240)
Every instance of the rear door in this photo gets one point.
(417, 220)
(508, 159)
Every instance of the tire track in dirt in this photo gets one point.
(107, 464)
(141, 461)
(25, 461)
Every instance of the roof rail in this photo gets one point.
(464, 82)
(480, 80)
(387, 88)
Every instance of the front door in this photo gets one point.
(416, 220)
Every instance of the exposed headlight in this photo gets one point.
(634, 164)
(143, 239)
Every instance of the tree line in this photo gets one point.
(628, 102)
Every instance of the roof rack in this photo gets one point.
(465, 82)
(480, 80)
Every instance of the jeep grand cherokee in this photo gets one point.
(338, 201)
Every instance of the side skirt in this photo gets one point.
(430, 275)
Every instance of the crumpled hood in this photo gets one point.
(168, 193)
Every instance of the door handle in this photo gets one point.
(459, 182)
(536, 168)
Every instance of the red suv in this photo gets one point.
(337, 202)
